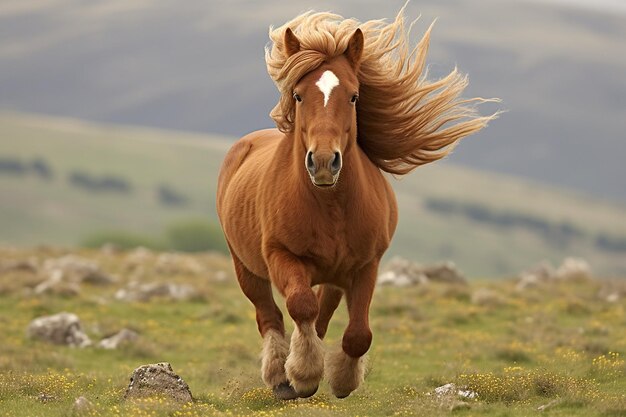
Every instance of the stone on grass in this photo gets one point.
(137, 257)
(56, 285)
(60, 329)
(573, 269)
(157, 380)
(446, 272)
(447, 389)
(400, 272)
(72, 268)
(612, 298)
(82, 406)
(451, 389)
(612, 291)
(124, 336)
(145, 292)
(535, 276)
(177, 264)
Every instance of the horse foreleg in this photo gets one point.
(345, 366)
(270, 323)
(329, 298)
(305, 363)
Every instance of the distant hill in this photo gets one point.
(559, 69)
(62, 180)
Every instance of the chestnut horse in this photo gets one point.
(307, 204)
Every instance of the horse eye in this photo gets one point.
(297, 97)
(354, 98)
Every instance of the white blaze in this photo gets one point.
(326, 83)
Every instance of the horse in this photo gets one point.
(306, 209)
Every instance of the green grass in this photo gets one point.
(34, 211)
(560, 345)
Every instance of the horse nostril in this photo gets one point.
(310, 164)
(335, 163)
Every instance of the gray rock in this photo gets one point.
(137, 257)
(145, 292)
(61, 329)
(573, 269)
(446, 272)
(401, 272)
(55, 284)
(177, 264)
(157, 380)
(535, 276)
(82, 406)
(612, 291)
(613, 297)
(121, 337)
(72, 268)
(447, 389)
(451, 389)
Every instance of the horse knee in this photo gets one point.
(302, 306)
(356, 342)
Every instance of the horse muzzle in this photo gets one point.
(323, 167)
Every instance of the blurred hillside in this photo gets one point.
(63, 181)
(559, 68)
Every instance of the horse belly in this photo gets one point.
(244, 236)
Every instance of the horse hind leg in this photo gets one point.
(345, 365)
(270, 323)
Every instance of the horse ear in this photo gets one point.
(354, 52)
(292, 44)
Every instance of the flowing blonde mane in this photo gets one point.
(404, 120)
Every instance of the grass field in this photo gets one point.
(559, 345)
(35, 211)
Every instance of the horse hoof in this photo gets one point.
(309, 393)
(341, 395)
(284, 391)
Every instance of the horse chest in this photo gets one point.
(334, 240)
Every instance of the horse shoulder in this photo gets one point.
(379, 216)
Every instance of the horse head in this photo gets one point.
(325, 102)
